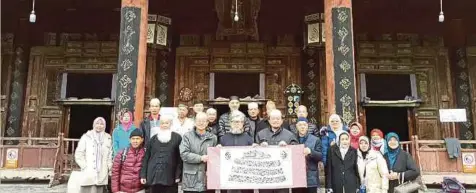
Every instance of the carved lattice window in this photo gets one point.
(52, 88)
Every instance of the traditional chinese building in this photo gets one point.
(388, 64)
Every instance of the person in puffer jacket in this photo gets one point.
(328, 134)
(127, 166)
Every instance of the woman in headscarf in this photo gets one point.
(373, 169)
(94, 157)
(377, 141)
(329, 133)
(356, 130)
(122, 132)
(400, 163)
(342, 174)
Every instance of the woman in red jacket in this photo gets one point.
(127, 165)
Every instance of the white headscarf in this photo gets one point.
(98, 139)
(343, 148)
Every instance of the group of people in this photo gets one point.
(165, 150)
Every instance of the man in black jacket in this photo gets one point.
(150, 125)
(264, 123)
(253, 119)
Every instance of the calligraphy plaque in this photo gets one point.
(463, 92)
(256, 168)
(128, 59)
(344, 72)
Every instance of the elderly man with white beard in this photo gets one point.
(162, 165)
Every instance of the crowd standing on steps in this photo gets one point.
(165, 150)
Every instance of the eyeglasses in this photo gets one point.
(235, 122)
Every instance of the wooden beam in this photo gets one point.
(132, 59)
(340, 64)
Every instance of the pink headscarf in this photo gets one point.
(127, 125)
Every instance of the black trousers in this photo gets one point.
(305, 190)
(163, 189)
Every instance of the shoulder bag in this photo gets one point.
(407, 187)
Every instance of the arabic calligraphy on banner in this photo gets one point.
(256, 168)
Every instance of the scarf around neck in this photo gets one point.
(126, 125)
(354, 139)
(98, 140)
(343, 149)
(392, 153)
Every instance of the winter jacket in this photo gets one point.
(120, 138)
(215, 129)
(342, 174)
(404, 164)
(264, 123)
(224, 124)
(145, 126)
(327, 136)
(273, 138)
(126, 173)
(85, 157)
(230, 139)
(374, 167)
(254, 126)
(162, 164)
(192, 148)
(314, 144)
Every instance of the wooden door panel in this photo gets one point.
(427, 128)
(49, 126)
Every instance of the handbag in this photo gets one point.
(408, 187)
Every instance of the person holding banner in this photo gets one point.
(237, 137)
(342, 174)
(276, 134)
(313, 154)
(193, 151)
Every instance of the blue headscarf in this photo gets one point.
(392, 153)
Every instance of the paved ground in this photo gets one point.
(42, 188)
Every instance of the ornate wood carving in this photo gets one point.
(42, 116)
(238, 57)
(6, 69)
(471, 55)
(312, 83)
(462, 91)
(194, 64)
(247, 24)
(424, 56)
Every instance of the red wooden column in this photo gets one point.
(340, 71)
(132, 59)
